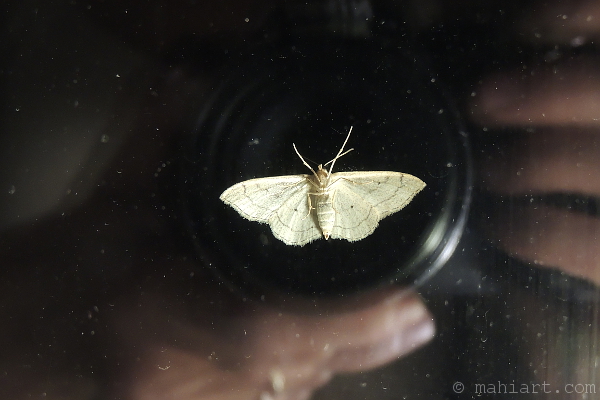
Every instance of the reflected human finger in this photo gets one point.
(551, 237)
(565, 160)
(312, 349)
(396, 323)
(567, 94)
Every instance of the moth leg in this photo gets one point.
(310, 207)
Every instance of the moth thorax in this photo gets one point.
(322, 175)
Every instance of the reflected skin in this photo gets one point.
(558, 109)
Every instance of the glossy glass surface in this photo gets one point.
(124, 277)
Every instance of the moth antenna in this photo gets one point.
(302, 158)
(343, 154)
(339, 154)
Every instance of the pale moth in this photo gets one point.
(347, 205)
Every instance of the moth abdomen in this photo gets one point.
(325, 214)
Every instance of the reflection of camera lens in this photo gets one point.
(310, 95)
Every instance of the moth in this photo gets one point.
(342, 205)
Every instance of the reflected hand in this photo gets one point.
(557, 107)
